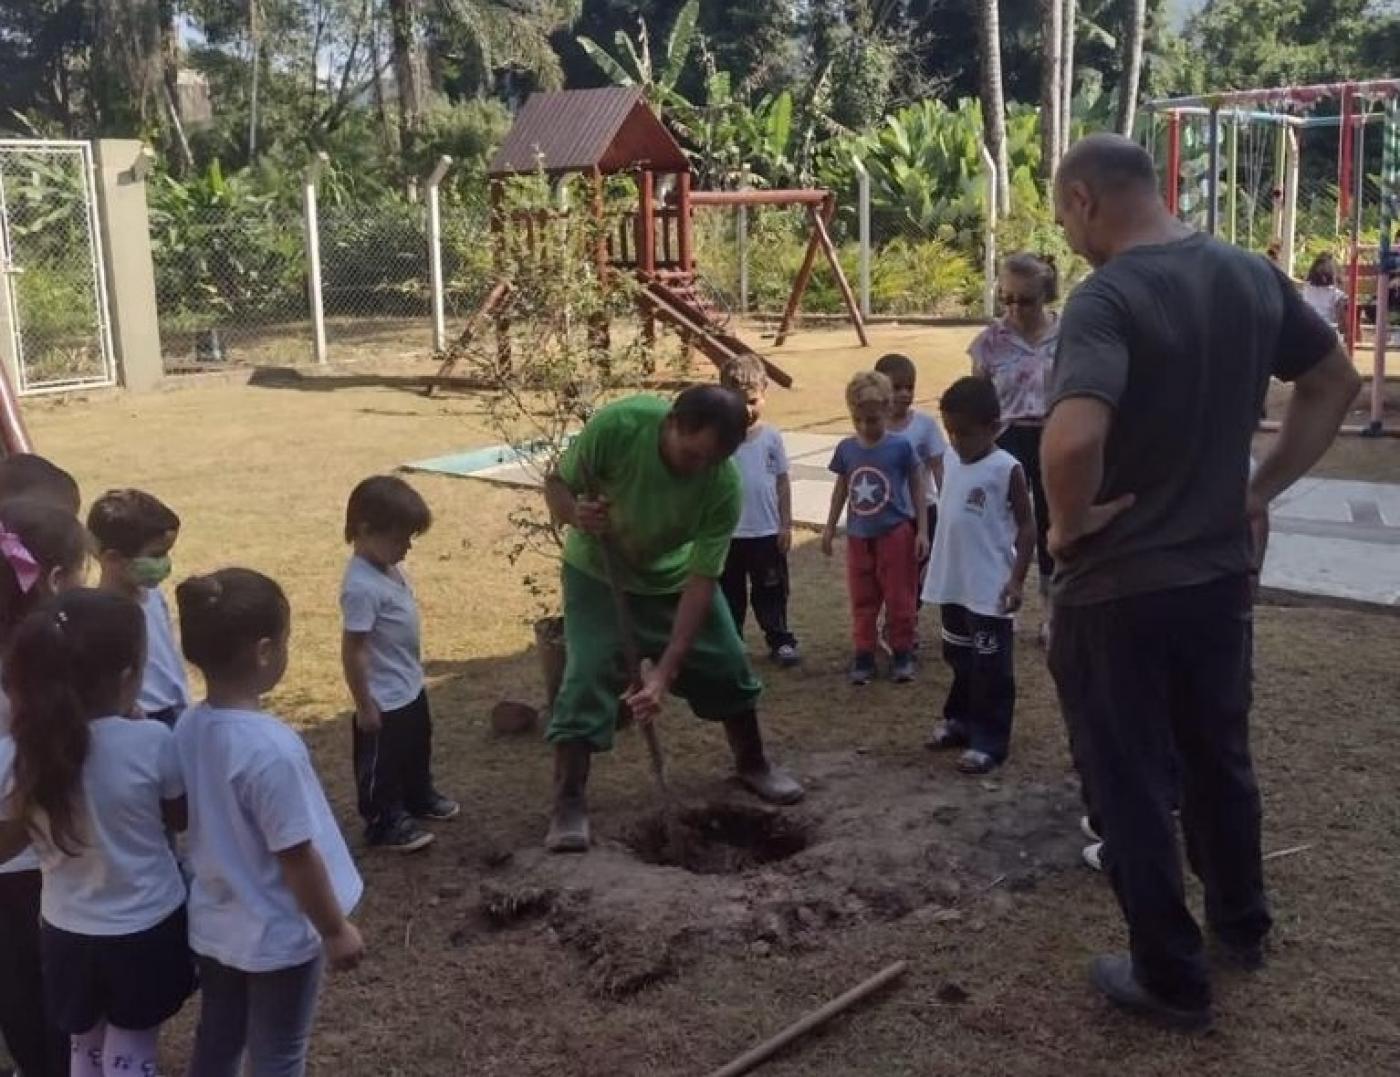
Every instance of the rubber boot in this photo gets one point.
(763, 779)
(568, 826)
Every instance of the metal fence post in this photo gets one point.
(989, 244)
(863, 206)
(1290, 202)
(313, 253)
(435, 251)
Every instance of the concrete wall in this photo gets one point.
(126, 255)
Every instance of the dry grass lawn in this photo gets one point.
(259, 476)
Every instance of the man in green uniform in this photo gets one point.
(658, 480)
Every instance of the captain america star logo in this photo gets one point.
(870, 491)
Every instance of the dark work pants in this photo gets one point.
(756, 571)
(982, 699)
(1023, 442)
(39, 1049)
(393, 768)
(1157, 690)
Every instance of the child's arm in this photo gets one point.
(784, 512)
(176, 813)
(1024, 511)
(354, 657)
(838, 502)
(935, 467)
(918, 489)
(305, 875)
(14, 839)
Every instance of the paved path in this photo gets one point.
(1332, 538)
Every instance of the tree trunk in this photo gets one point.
(993, 104)
(255, 41)
(1070, 22)
(408, 70)
(1132, 66)
(1051, 101)
(170, 79)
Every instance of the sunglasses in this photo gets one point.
(1019, 300)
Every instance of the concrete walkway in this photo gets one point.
(1332, 538)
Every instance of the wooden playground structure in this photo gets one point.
(612, 132)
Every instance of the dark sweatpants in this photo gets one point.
(393, 768)
(756, 571)
(37, 1047)
(1157, 689)
(1023, 442)
(982, 698)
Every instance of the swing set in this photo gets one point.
(1203, 161)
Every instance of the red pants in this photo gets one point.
(883, 571)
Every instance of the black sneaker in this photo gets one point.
(787, 655)
(902, 670)
(862, 670)
(1240, 957)
(439, 810)
(401, 836)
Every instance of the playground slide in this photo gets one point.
(692, 323)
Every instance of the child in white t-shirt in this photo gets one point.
(380, 651)
(135, 533)
(1320, 290)
(97, 789)
(43, 549)
(273, 880)
(923, 433)
(986, 537)
(756, 568)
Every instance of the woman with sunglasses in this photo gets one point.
(1016, 353)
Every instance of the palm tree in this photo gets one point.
(993, 99)
(1132, 66)
(1051, 100)
(1070, 24)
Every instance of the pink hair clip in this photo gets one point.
(22, 562)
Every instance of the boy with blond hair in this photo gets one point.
(756, 569)
(882, 484)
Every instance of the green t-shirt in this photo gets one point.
(665, 527)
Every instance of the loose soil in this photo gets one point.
(489, 958)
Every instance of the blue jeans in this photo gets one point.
(266, 1014)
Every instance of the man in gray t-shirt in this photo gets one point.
(1164, 358)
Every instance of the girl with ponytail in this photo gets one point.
(95, 790)
(43, 550)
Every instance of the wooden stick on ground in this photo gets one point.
(766, 1050)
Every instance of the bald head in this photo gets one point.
(1109, 165)
(1106, 198)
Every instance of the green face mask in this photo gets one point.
(149, 571)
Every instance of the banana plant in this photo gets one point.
(632, 62)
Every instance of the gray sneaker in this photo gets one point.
(400, 836)
(1113, 975)
(902, 669)
(787, 655)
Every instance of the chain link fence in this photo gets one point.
(53, 308)
(230, 282)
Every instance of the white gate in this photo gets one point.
(54, 328)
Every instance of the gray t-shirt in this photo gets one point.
(1180, 339)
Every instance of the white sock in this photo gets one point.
(87, 1052)
(128, 1053)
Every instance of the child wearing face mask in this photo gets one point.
(135, 533)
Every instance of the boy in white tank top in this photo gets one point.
(981, 553)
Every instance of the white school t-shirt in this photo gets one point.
(926, 436)
(761, 459)
(1324, 298)
(381, 604)
(974, 548)
(122, 878)
(254, 794)
(29, 859)
(164, 682)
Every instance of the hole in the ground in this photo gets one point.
(719, 839)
